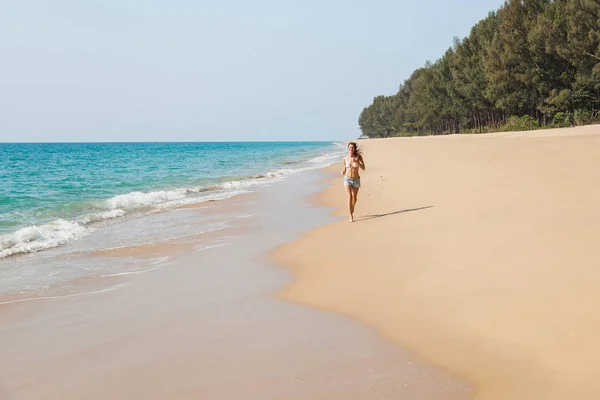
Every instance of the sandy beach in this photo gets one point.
(477, 252)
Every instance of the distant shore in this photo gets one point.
(478, 252)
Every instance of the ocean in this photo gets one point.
(113, 195)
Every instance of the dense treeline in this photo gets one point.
(532, 63)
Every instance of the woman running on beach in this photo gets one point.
(352, 162)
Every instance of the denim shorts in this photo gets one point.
(354, 182)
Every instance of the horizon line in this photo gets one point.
(186, 141)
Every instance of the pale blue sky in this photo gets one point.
(150, 70)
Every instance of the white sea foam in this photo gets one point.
(101, 216)
(244, 184)
(201, 199)
(140, 199)
(178, 197)
(35, 238)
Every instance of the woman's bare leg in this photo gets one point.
(350, 201)
(354, 198)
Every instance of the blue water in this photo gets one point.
(51, 194)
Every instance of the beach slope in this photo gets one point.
(478, 252)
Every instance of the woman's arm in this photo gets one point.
(361, 163)
(344, 170)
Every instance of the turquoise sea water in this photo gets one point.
(51, 194)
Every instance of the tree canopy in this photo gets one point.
(531, 63)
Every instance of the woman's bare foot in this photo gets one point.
(351, 219)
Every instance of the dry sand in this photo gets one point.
(478, 252)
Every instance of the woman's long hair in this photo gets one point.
(357, 152)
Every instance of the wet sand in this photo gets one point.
(477, 252)
(203, 324)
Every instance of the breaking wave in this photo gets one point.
(60, 231)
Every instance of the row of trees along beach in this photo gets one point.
(531, 64)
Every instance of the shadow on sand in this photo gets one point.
(371, 216)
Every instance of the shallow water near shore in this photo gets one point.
(199, 320)
(57, 193)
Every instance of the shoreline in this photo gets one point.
(476, 252)
(206, 325)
